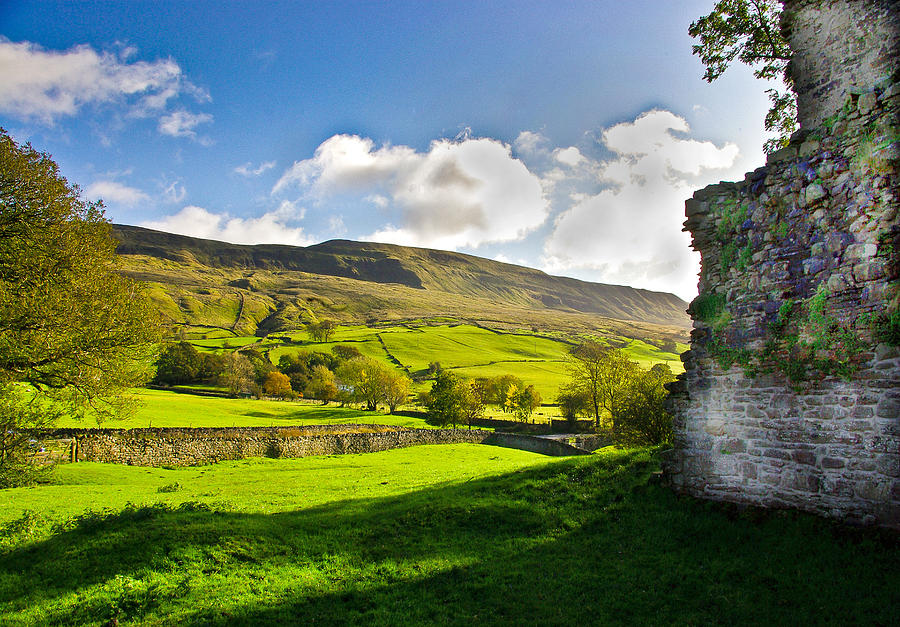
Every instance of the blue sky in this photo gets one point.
(559, 135)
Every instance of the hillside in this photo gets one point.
(264, 288)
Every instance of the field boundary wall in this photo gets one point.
(158, 447)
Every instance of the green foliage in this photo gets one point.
(345, 352)
(887, 328)
(748, 31)
(366, 380)
(70, 326)
(804, 342)
(807, 341)
(644, 419)
(523, 401)
(731, 216)
(22, 411)
(177, 363)
(322, 384)
(728, 356)
(237, 373)
(573, 402)
(454, 400)
(710, 309)
(321, 331)
(744, 257)
(604, 376)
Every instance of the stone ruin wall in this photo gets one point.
(791, 391)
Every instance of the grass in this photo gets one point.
(452, 535)
(169, 409)
(472, 351)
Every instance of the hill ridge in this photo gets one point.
(425, 269)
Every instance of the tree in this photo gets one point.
(644, 419)
(345, 352)
(68, 322)
(585, 373)
(277, 384)
(573, 402)
(444, 400)
(499, 391)
(396, 389)
(238, 373)
(524, 401)
(20, 415)
(602, 375)
(322, 330)
(363, 379)
(454, 401)
(178, 363)
(322, 385)
(748, 30)
(73, 333)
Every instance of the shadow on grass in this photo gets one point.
(582, 541)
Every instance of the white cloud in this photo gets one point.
(336, 225)
(270, 228)
(457, 194)
(378, 200)
(113, 192)
(248, 170)
(570, 156)
(45, 85)
(630, 231)
(182, 123)
(174, 192)
(530, 142)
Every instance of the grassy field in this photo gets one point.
(469, 350)
(169, 409)
(458, 534)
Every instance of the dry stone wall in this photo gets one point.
(791, 390)
(191, 447)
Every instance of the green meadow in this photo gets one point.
(459, 535)
(470, 350)
(159, 408)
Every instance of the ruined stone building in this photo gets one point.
(791, 395)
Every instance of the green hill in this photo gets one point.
(265, 288)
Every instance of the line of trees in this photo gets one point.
(617, 394)
(455, 400)
(344, 375)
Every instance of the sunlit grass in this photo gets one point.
(170, 409)
(464, 534)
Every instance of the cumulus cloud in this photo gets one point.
(570, 156)
(45, 85)
(270, 228)
(457, 194)
(117, 193)
(248, 170)
(629, 232)
(530, 142)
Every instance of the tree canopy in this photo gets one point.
(70, 326)
(748, 30)
(453, 400)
